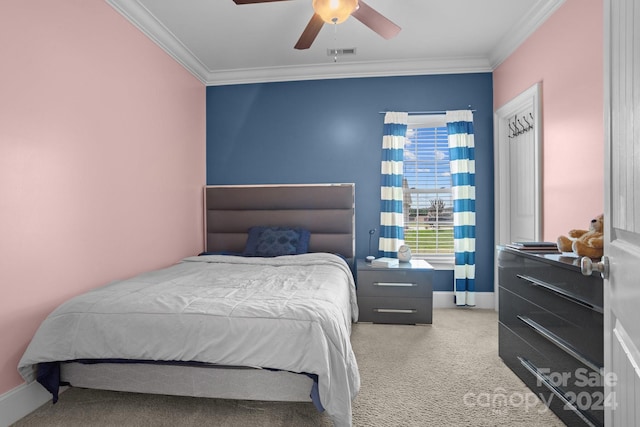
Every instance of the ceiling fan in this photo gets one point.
(335, 12)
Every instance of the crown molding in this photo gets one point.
(349, 70)
(142, 19)
(522, 29)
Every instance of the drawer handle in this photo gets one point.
(395, 310)
(560, 292)
(560, 343)
(395, 284)
(546, 381)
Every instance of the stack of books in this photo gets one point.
(385, 262)
(550, 247)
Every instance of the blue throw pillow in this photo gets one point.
(275, 241)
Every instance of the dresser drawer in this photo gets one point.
(582, 405)
(395, 310)
(514, 270)
(550, 332)
(568, 307)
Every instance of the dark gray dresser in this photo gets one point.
(551, 332)
(400, 294)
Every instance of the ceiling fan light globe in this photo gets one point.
(334, 11)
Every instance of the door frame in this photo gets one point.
(530, 98)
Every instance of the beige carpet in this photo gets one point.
(445, 374)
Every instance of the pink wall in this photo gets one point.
(566, 55)
(102, 159)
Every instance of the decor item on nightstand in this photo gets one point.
(385, 262)
(370, 257)
(404, 253)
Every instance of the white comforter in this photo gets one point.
(291, 313)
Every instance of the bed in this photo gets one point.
(264, 313)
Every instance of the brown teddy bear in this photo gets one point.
(587, 243)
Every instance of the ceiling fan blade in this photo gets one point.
(254, 1)
(310, 32)
(374, 20)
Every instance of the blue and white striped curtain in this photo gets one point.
(463, 188)
(391, 215)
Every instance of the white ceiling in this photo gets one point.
(224, 43)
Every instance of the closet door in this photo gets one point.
(517, 168)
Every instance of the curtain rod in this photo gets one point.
(434, 112)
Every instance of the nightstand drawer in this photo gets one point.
(395, 310)
(394, 283)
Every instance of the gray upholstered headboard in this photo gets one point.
(326, 210)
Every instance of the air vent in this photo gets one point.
(341, 52)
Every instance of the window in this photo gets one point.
(428, 208)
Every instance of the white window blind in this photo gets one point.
(428, 208)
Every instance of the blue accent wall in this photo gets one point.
(331, 131)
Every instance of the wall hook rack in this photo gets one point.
(517, 128)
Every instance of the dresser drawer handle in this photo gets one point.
(395, 310)
(395, 284)
(560, 343)
(546, 381)
(560, 292)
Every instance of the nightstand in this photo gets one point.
(401, 294)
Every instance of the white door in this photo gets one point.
(622, 213)
(517, 165)
(522, 177)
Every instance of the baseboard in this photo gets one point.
(442, 299)
(21, 401)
